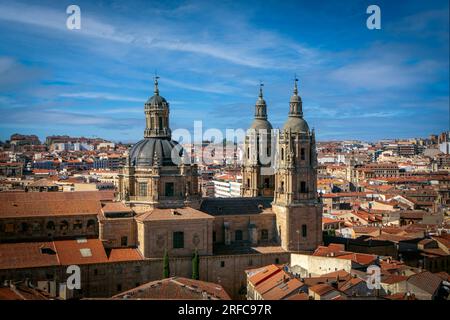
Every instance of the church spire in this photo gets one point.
(295, 104)
(260, 107)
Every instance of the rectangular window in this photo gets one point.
(222, 264)
(160, 123)
(124, 241)
(143, 189)
(169, 189)
(302, 154)
(214, 236)
(178, 240)
(303, 187)
(304, 230)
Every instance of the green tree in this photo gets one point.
(166, 266)
(195, 266)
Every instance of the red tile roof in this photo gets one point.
(80, 251)
(321, 289)
(27, 255)
(124, 254)
(21, 292)
(394, 278)
(176, 288)
(31, 204)
(260, 275)
(45, 254)
(173, 214)
(284, 289)
(426, 281)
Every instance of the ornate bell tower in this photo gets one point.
(296, 204)
(257, 169)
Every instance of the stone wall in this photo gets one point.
(264, 221)
(107, 279)
(48, 228)
(158, 236)
(111, 232)
(290, 221)
(316, 265)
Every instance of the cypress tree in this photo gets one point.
(195, 266)
(166, 267)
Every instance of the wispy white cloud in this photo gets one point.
(100, 95)
(242, 51)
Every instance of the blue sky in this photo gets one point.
(355, 83)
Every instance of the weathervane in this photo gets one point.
(295, 83)
(156, 77)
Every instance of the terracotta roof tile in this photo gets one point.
(173, 214)
(80, 251)
(27, 255)
(426, 281)
(176, 288)
(124, 254)
(261, 274)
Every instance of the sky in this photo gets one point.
(355, 83)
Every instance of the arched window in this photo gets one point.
(238, 235)
(36, 226)
(51, 225)
(78, 224)
(282, 153)
(64, 225)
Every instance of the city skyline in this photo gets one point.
(355, 83)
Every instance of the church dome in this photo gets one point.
(260, 124)
(156, 100)
(296, 124)
(149, 150)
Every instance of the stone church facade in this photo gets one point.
(279, 204)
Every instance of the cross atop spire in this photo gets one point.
(156, 77)
(261, 84)
(295, 84)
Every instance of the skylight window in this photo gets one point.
(86, 252)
